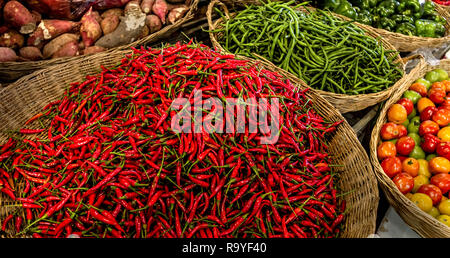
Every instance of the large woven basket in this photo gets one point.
(405, 43)
(344, 103)
(11, 71)
(421, 222)
(31, 93)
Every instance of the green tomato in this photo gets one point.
(413, 114)
(432, 76)
(394, 141)
(414, 96)
(406, 123)
(430, 156)
(416, 137)
(443, 75)
(424, 82)
(414, 124)
(417, 153)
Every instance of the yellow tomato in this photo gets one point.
(424, 103)
(409, 195)
(444, 134)
(423, 168)
(422, 201)
(444, 207)
(397, 114)
(434, 212)
(419, 181)
(444, 219)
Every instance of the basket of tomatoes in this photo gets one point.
(410, 150)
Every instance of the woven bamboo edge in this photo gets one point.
(405, 43)
(30, 94)
(344, 103)
(419, 221)
(11, 71)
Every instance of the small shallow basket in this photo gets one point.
(31, 93)
(422, 223)
(405, 43)
(11, 71)
(343, 102)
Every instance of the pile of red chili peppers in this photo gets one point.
(103, 162)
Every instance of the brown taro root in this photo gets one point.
(90, 28)
(146, 6)
(93, 50)
(49, 29)
(7, 55)
(132, 7)
(145, 32)
(153, 23)
(109, 24)
(67, 50)
(177, 13)
(129, 29)
(12, 39)
(55, 44)
(30, 53)
(113, 11)
(18, 16)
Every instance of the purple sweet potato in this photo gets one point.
(67, 50)
(55, 44)
(153, 23)
(93, 50)
(177, 13)
(146, 5)
(18, 16)
(36, 16)
(12, 39)
(109, 24)
(30, 53)
(57, 9)
(49, 29)
(161, 9)
(90, 29)
(7, 55)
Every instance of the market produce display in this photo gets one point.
(39, 30)
(408, 17)
(415, 147)
(326, 52)
(103, 160)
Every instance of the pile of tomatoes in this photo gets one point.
(415, 147)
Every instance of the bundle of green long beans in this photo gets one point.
(325, 51)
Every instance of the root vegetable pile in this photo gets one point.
(103, 161)
(98, 25)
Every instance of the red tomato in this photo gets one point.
(402, 131)
(397, 114)
(405, 145)
(391, 166)
(419, 88)
(441, 117)
(429, 143)
(427, 113)
(437, 94)
(407, 104)
(442, 181)
(433, 191)
(446, 103)
(389, 131)
(443, 150)
(386, 149)
(404, 182)
(428, 126)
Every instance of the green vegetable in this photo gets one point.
(416, 137)
(387, 8)
(414, 124)
(443, 75)
(410, 8)
(364, 17)
(412, 114)
(417, 153)
(386, 23)
(430, 156)
(332, 4)
(429, 8)
(424, 82)
(346, 9)
(432, 76)
(406, 28)
(412, 95)
(429, 28)
(406, 123)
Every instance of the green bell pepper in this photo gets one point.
(409, 8)
(417, 153)
(414, 124)
(416, 137)
(386, 23)
(414, 96)
(429, 8)
(400, 18)
(437, 18)
(429, 28)
(406, 28)
(332, 4)
(346, 9)
(365, 17)
(387, 8)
